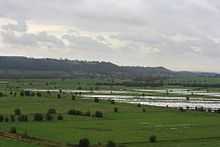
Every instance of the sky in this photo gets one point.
(176, 34)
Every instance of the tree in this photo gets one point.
(112, 101)
(23, 118)
(59, 117)
(39, 94)
(96, 100)
(98, 114)
(1, 118)
(84, 142)
(153, 139)
(17, 111)
(73, 97)
(115, 109)
(111, 144)
(58, 96)
(38, 117)
(51, 111)
(49, 117)
(22, 93)
(12, 118)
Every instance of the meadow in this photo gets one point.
(131, 126)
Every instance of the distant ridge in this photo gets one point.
(23, 67)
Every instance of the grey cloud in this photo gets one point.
(180, 29)
(24, 39)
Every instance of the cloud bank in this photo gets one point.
(181, 35)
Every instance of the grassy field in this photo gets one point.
(129, 126)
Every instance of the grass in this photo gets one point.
(12, 143)
(129, 126)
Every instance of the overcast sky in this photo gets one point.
(177, 34)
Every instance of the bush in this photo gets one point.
(58, 96)
(17, 111)
(12, 118)
(143, 110)
(73, 97)
(49, 117)
(39, 94)
(1, 118)
(88, 113)
(13, 130)
(52, 111)
(153, 139)
(27, 93)
(23, 118)
(38, 117)
(84, 142)
(96, 100)
(98, 114)
(139, 105)
(74, 112)
(1, 94)
(111, 144)
(59, 117)
(115, 109)
(6, 119)
(22, 93)
(112, 101)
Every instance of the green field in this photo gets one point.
(130, 126)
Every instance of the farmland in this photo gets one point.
(131, 125)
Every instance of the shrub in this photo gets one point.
(71, 112)
(23, 118)
(52, 111)
(88, 113)
(84, 142)
(22, 93)
(112, 101)
(17, 111)
(1, 94)
(96, 100)
(111, 144)
(143, 110)
(27, 93)
(181, 109)
(11, 93)
(153, 139)
(74, 112)
(73, 97)
(58, 96)
(1, 118)
(12, 118)
(98, 114)
(115, 109)
(59, 117)
(38, 117)
(39, 94)
(6, 119)
(139, 105)
(13, 130)
(49, 117)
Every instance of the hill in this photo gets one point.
(23, 67)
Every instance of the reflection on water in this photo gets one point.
(212, 103)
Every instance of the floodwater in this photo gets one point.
(120, 96)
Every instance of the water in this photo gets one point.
(120, 96)
(180, 91)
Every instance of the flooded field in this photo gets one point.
(162, 101)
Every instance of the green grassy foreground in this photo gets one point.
(129, 126)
